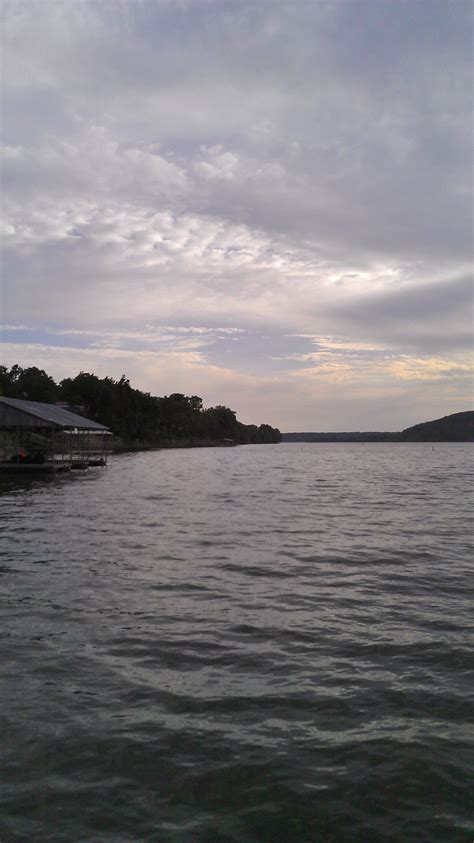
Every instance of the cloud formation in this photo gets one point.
(281, 191)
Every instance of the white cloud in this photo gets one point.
(290, 168)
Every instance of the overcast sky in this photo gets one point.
(265, 203)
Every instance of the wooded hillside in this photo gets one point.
(458, 427)
(138, 418)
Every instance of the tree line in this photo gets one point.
(137, 418)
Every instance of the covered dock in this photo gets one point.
(47, 438)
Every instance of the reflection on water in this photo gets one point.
(265, 643)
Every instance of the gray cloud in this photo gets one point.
(432, 317)
(280, 168)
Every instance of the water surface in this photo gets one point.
(264, 644)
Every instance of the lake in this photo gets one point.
(263, 644)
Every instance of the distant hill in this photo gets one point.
(458, 427)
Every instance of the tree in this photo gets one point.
(31, 384)
(137, 417)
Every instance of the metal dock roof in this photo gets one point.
(14, 412)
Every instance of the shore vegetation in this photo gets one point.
(138, 419)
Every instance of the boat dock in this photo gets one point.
(47, 439)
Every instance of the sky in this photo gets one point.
(264, 203)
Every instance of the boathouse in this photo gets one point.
(47, 437)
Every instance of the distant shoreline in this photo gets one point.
(458, 427)
(355, 436)
(360, 439)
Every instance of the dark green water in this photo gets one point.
(266, 644)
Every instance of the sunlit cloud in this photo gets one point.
(268, 200)
(432, 369)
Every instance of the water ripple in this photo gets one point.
(266, 644)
